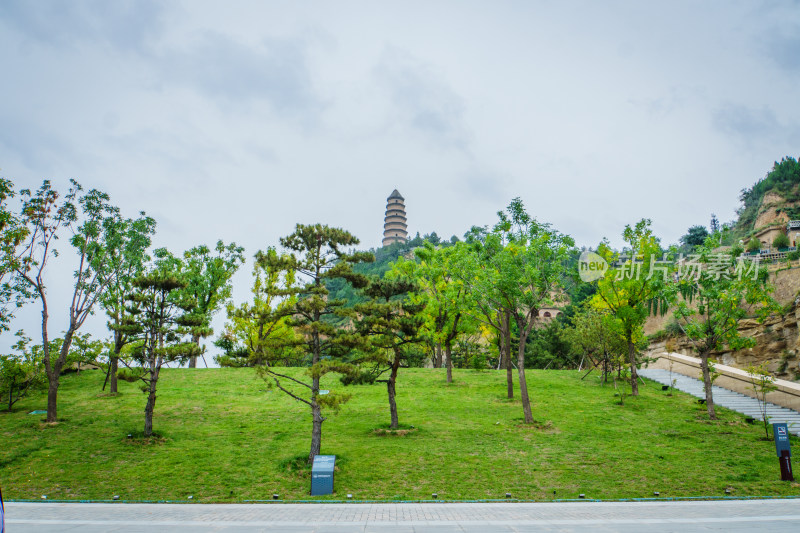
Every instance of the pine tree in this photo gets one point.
(163, 323)
(392, 326)
(314, 256)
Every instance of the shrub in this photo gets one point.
(129, 375)
(478, 361)
(673, 329)
(781, 241)
(753, 245)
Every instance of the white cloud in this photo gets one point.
(237, 121)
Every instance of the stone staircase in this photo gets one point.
(726, 398)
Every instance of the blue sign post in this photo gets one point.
(322, 474)
(784, 451)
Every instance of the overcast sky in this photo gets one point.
(236, 120)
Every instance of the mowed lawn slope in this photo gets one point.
(226, 437)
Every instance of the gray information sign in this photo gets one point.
(781, 434)
(322, 474)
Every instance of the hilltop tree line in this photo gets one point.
(319, 303)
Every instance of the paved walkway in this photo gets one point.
(779, 516)
(727, 398)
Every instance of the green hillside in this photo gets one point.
(226, 438)
(783, 180)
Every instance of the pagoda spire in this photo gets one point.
(395, 228)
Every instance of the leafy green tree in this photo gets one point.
(527, 274)
(234, 354)
(478, 269)
(548, 347)
(392, 324)
(131, 238)
(531, 274)
(258, 331)
(629, 292)
(696, 236)
(86, 351)
(208, 275)
(432, 238)
(443, 297)
(20, 372)
(313, 256)
(595, 334)
(45, 217)
(715, 298)
(164, 323)
(714, 225)
(12, 236)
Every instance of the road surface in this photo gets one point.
(776, 516)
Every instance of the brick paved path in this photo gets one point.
(653, 517)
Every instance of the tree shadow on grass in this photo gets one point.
(537, 425)
(402, 431)
(137, 438)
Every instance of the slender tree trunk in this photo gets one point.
(448, 351)
(448, 345)
(54, 371)
(108, 373)
(437, 361)
(119, 342)
(632, 362)
(52, 396)
(391, 389)
(506, 347)
(150, 407)
(500, 360)
(316, 429)
(53, 379)
(523, 384)
(523, 394)
(51, 367)
(151, 398)
(113, 373)
(316, 410)
(193, 358)
(712, 414)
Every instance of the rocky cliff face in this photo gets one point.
(785, 282)
(777, 345)
(777, 339)
(770, 212)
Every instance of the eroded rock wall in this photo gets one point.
(777, 345)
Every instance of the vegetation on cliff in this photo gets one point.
(783, 179)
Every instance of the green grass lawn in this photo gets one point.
(227, 438)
